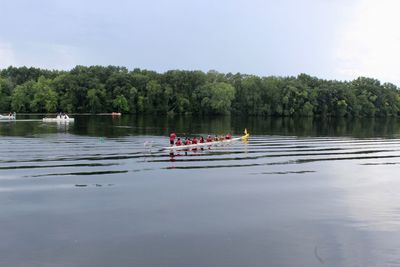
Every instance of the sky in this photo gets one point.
(330, 39)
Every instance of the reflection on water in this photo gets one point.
(96, 185)
(101, 191)
(107, 126)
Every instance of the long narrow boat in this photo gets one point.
(112, 114)
(207, 144)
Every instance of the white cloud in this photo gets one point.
(7, 55)
(369, 44)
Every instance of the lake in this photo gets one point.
(100, 192)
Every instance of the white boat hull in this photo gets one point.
(206, 144)
(2, 117)
(58, 120)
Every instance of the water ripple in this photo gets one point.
(84, 156)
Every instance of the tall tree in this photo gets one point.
(44, 96)
(121, 104)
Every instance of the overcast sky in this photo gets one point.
(333, 39)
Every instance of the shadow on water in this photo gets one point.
(79, 173)
(284, 172)
(58, 166)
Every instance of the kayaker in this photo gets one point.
(194, 141)
(178, 142)
(209, 139)
(216, 138)
(188, 141)
(172, 137)
(201, 141)
(228, 136)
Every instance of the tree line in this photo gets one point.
(97, 89)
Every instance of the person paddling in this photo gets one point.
(201, 141)
(194, 141)
(172, 137)
(228, 136)
(178, 142)
(209, 139)
(188, 141)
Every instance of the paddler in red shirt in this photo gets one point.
(194, 141)
(201, 141)
(209, 139)
(172, 137)
(188, 142)
(178, 142)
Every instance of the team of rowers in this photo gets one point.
(195, 140)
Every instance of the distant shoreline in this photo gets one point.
(102, 90)
(55, 113)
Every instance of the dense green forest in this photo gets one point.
(105, 89)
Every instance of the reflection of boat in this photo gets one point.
(58, 120)
(62, 118)
(8, 117)
(208, 144)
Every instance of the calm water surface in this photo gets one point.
(300, 192)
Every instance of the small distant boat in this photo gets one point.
(59, 118)
(112, 114)
(8, 117)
